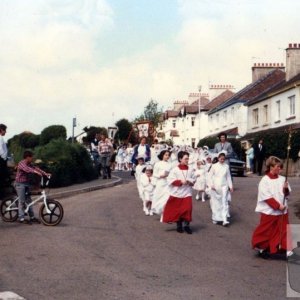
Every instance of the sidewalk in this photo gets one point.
(84, 187)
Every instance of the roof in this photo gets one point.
(171, 114)
(253, 90)
(277, 88)
(219, 100)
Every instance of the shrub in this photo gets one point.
(51, 133)
(68, 163)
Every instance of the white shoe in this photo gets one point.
(197, 197)
(225, 223)
(215, 222)
(203, 200)
(147, 213)
(151, 213)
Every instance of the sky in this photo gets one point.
(103, 60)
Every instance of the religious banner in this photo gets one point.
(143, 128)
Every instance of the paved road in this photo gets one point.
(106, 248)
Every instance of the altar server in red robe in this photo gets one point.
(179, 205)
(270, 236)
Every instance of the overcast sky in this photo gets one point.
(103, 60)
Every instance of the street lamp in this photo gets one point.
(199, 106)
(74, 124)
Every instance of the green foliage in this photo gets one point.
(20, 142)
(276, 141)
(68, 163)
(151, 113)
(125, 128)
(91, 132)
(51, 133)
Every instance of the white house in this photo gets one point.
(280, 106)
(232, 115)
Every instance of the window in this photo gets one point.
(193, 121)
(232, 115)
(255, 117)
(217, 120)
(291, 105)
(225, 118)
(266, 117)
(210, 122)
(193, 143)
(277, 110)
(174, 123)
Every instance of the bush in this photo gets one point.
(51, 133)
(68, 163)
(276, 141)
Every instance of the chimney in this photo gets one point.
(292, 61)
(217, 89)
(179, 103)
(260, 70)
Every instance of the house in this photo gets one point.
(232, 115)
(279, 107)
(187, 122)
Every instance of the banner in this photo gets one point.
(143, 129)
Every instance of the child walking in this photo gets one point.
(138, 172)
(270, 236)
(200, 183)
(221, 185)
(179, 205)
(148, 189)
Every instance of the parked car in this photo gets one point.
(237, 166)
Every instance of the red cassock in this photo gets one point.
(271, 232)
(178, 209)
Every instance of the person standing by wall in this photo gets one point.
(3, 159)
(249, 158)
(105, 150)
(95, 153)
(259, 156)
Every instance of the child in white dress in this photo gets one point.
(138, 172)
(148, 189)
(200, 183)
(161, 171)
(221, 185)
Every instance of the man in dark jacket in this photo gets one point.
(259, 156)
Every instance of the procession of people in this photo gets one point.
(167, 184)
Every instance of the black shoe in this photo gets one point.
(35, 220)
(104, 177)
(263, 254)
(188, 230)
(179, 229)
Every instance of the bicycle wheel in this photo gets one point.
(9, 210)
(56, 213)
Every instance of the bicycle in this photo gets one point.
(51, 211)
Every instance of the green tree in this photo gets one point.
(51, 133)
(124, 129)
(151, 113)
(91, 132)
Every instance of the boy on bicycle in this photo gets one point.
(24, 169)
